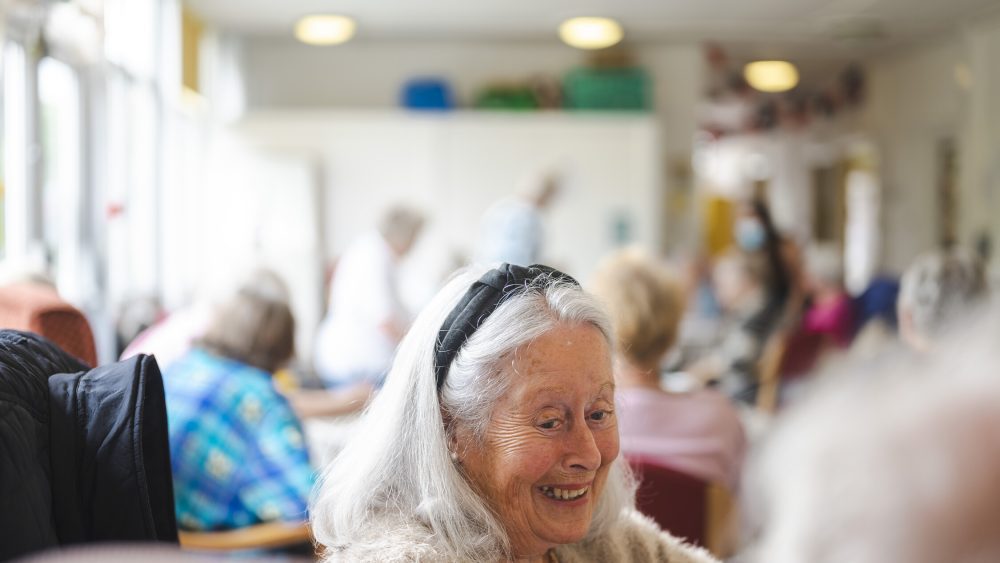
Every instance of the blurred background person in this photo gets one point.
(893, 465)
(697, 431)
(757, 286)
(937, 290)
(237, 449)
(135, 316)
(826, 324)
(756, 235)
(174, 334)
(739, 280)
(876, 322)
(512, 230)
(366, 318)
(830, 311)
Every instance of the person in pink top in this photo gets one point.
(831, 313)
(698, 431)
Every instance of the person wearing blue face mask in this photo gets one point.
(760, 312)
(755, 233)
(751, 235)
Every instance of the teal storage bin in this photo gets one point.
(625, 89)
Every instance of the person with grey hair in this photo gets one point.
(936, 291)
(366, 318)
(888, 465)
(238, 454)
(494, 438)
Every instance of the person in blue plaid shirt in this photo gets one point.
(237, 449)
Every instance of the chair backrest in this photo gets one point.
(675, 500)
(38, 309)
(769, 372)
(686, 506)
(269, 535)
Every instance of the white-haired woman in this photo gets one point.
(494, 438)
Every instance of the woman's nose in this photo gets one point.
(582, 452)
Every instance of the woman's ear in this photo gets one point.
(452, 434)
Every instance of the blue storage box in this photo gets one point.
(427, 94)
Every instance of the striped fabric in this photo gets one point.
(237, 450)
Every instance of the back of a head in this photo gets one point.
(267, 284)
(940, 288)
(645, 304)
(399, 225)
(894, 464)
(254, 329)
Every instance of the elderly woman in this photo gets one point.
(494, 438)
(696, 431)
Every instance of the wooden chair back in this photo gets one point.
(769, 372)
(270, 535)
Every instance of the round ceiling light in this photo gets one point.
(591, 33)
(771, 76)
(325, 29)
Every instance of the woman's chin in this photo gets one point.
(563, 521)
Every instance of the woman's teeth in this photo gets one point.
(564, 494)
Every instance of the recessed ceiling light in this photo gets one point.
(591, 33)
(771, 76)
(324, 29)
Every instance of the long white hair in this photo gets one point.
(396, 472)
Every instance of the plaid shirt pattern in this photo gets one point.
(237, 450)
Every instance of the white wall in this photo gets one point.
(282, 72)
(454, 166)
(917, 100)
(980, 165)
(914, 103)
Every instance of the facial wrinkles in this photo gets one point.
(515, 432)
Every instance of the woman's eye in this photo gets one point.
(549, 424)
(600, 416)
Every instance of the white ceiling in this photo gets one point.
(753, 22)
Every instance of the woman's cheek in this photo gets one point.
(607, 443)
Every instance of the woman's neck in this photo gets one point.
(629, 375)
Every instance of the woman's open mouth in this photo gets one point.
(563, 494)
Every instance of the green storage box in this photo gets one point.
(607, 89)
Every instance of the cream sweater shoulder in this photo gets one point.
(633, 539)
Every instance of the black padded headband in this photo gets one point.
(480, 301)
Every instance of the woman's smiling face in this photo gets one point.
(550, 441)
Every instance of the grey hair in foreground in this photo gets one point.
(894, 462)
(396, 475)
